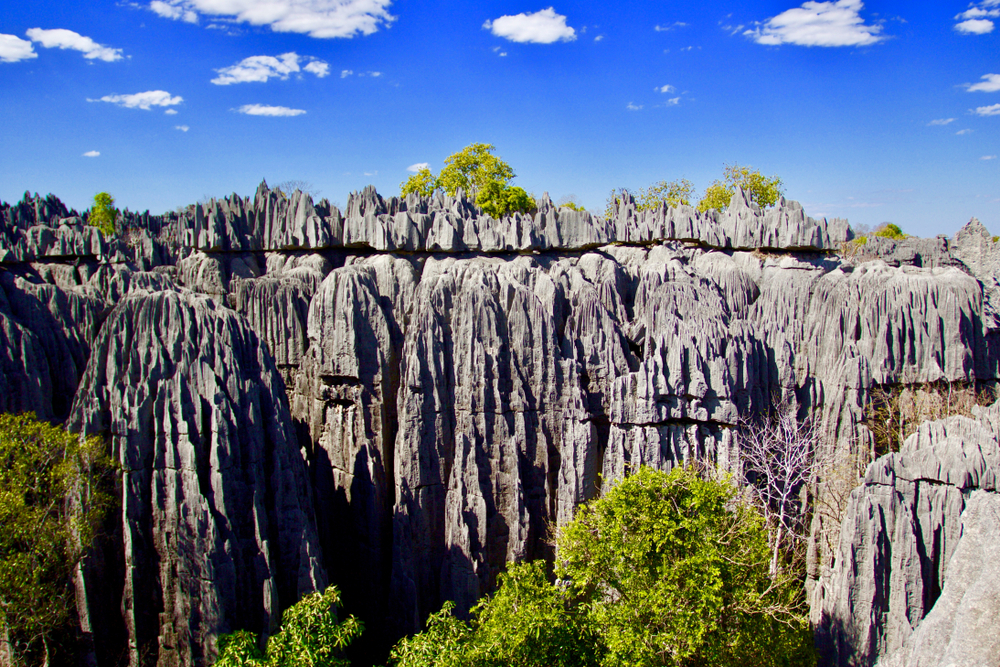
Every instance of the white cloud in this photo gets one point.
(633, 107)
(673, 101)
(316, 18)
(344, 73)
(599, 38)
(988, 157)
(371, 173)
(818, 24)
(965, 131)
(265, 110)
(665, 89)
(150, 98)
(91, 153)
(976, 19)
(175, 12)
(992, 110)
(372, 74)
(171, 112)
(182, 128)
(975, 27)
(262, 68)
(542, 27)
(14, 49)
(318, 67)
(941, 121)
(990, 84)
(418, 166)
(665, 28)
(67, 39)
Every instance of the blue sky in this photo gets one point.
(873, 111)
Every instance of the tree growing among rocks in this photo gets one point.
(103, 213)
(762, 190)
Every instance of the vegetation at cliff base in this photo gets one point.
(477, 171)
(54, 492)
(310, 636)
(665, 569)
(103, 213)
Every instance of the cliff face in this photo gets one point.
(404, 396)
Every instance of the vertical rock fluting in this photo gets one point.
(217, 524)
(913, 547)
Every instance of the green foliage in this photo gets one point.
(761, 190)
(54, 492)
(528, 622)
(676, 571)
(671, 193)
(890, 231)
(664, 569)
(310, 636)
(422, 182)
(573, 206)
(103, 213)
(498, 199)
(473, 167)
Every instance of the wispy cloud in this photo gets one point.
(171, 112)
(633, 107)
(146, 100)
(92, 154)
(265, 110)
(992, 110)
(818, 24)
(344, 73)
(316, 18)
(418, 166)
(977, 19)
(988, 157)
(542, 27)
(182, 128)
(965, 131)
(262, 68)
(989, 84)
(673, 101)
(599, 38)
(941, 121)
(668, 27)
(499, 51)
(59, 38)
(14, 49)
(665, 89)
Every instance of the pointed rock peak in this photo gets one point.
(262, 189)
(740, 200)
(972, 228)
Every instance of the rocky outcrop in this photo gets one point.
(217, 523)
(408, 394)
(911, 552)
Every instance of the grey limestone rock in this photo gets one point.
(218, 530)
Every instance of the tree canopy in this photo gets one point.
(664, 569)
(103, 213)
(310, 636)
(762, 190)
(54, 492)
(477, 171)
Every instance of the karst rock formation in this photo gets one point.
(401, 397)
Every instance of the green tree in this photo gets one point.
(423, 183)
(671, 193)
(54, 492)
(676, 570)
(472, 168)
(498, 199)
(761, 190)
(103, 213)
(890, 231)
(529, 622)
(310, 636)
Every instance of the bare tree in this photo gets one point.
(778, 454)
(286, 188)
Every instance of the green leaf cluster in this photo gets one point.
(762, 190)
(671, 193)
(310, 636)
(664, 569)
(55, 490)
(476, 170)
(890, 231)
(528, 622)
(103, 213)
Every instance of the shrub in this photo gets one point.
(890, 231)
(103, 213)
(761, 190)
